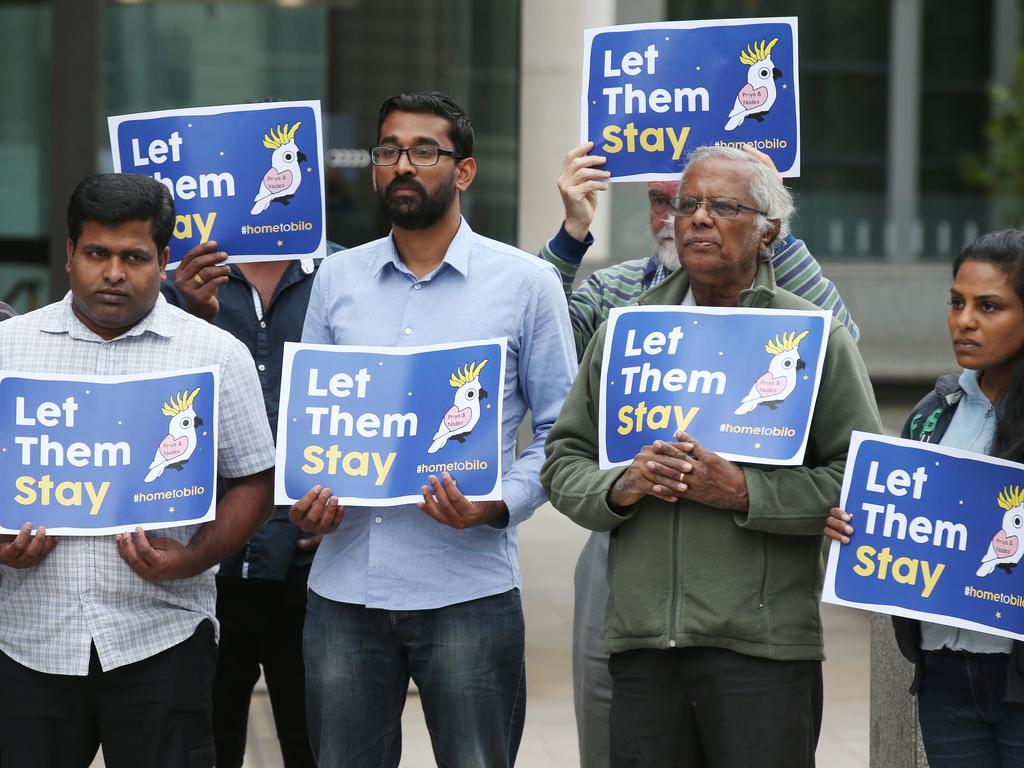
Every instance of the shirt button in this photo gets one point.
(261, 367)
(263, 324)
(407, 331)
(380, 520)
(417, 286)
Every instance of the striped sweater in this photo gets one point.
(621, 284)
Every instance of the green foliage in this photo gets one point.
(1000, 170)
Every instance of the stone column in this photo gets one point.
(895, 735)
(74, 96)
(550, 82)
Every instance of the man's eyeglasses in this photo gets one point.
(421, 155)
(717, 207)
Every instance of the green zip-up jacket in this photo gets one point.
(687, 574)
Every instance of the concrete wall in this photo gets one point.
(550, 83)
(901, 311)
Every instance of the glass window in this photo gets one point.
(350, 56)
(24, 82)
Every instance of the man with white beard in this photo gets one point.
(616, 286)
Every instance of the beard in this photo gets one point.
(419, 211)
(665, 251)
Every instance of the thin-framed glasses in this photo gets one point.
(421, 155)
(717, 207)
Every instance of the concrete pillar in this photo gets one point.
(906, 22)
(1005, 40)
(74, 96)
(550, 82)
(895, 734)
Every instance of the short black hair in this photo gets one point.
(114, 198)
(460, 129)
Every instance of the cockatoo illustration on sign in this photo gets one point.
(1005, 549)
(180, 442)
(460, 419)
(780, 381)
(282, 181)
(757, 97)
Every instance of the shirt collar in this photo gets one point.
(457, 255)
(64, 320)
(972, 387)
(650, 269)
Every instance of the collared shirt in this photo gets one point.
(399, 558)
(83, 592)
(271, 552)
(972, 428)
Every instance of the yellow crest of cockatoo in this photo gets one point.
(180, 402)
(786, 343)
(759, 52)
(1011, 497)
(282, 136)
(466, 373)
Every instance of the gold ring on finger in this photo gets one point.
(198, 278)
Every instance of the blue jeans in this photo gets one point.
(965, 722)
(468, 662)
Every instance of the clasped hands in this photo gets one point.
(682, 469)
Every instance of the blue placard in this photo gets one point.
(373, 423)
(99, 455)
(741, 381)
(652, 93)
(939, 535)
(249, 176)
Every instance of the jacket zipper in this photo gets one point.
(764, 570)
(675, 580)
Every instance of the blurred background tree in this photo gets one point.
(1000, 169)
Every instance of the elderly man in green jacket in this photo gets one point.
(714, 568)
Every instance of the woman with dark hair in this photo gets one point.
(970, 685)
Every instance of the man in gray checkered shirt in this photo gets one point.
(110, 639)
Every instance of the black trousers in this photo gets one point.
(151, 714)
(260, 626)
(713, 708)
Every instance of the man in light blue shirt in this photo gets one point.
(430, 590)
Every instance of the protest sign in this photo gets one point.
(373, 423)
(938, 535)
(249, 176)
(741, 381)
(95, 455)
(652, 93)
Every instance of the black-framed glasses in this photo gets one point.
(717, 207)
(421, 155)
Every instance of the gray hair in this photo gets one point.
(766, 189)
